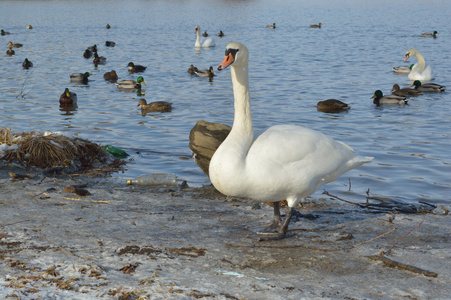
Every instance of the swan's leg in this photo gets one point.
(277, 230)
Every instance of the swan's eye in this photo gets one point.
(231, 51)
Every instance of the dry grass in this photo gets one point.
(48, 151)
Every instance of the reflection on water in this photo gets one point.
(291, 68)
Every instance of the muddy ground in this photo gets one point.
(123, 242)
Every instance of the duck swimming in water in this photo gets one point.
(380, 99)
(68, 98)
(131, 84)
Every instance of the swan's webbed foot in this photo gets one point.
(277, 230)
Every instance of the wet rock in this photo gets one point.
(204, 139)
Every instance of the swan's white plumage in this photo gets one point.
(207, 43)
(286, 162)
(419, 71)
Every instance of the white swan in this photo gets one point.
(286, 162)
(209, 42)
(419, 71)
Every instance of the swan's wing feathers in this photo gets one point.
(285, 144)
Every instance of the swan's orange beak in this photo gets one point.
(228, 60)
(407, 57)
(195, 31)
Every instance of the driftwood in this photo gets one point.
(394, 264)
(389, 205)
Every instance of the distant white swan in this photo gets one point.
(209, 42)
(419, 71)
(286, 162)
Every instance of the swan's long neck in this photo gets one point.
(421, 61)
(197, 44)
(242, 124)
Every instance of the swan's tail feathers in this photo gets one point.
(360, 160)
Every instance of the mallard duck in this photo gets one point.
(80, 77)
(271, 26)
(2, 32)
(68, 98)
(428, 87)
(207, 43)
(17, 45)
(27, 64)
(87, 54)
(111, 76)
(110, 44)
(160, 106)
(419, 71)
(380, 99)
(205, 34)
(285, 162)
(108, 26)
(131, 84)
(332, 106)
(220, 34)
(315, 26)
(10, 52)
(93, 48)
(29, 27)
(403, 69)
(396, 90)
(192, 70)
(98, 60)
(205, 73)
(132, 68)
(428, 34)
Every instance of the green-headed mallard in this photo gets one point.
(192, 70)
(93, 48)
(2, 32)
(16, 45)
(110, 44)
(220, 34)
(68, 98)
(80, 77)
(29, 27)
(271, 26)
(428, 34)
(27, 64)
(428, 87)
(98, 60)
(205, 34)
(332, 106)
(205, 73)
(380, 99)
(110, 76)
(108, 26)
(160, 106)
(403, 69)
(132, 68)
(396, 90)
(131, 84)
(315, 25)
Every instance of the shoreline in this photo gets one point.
(123, 242)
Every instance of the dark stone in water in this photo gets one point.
(204, 139)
